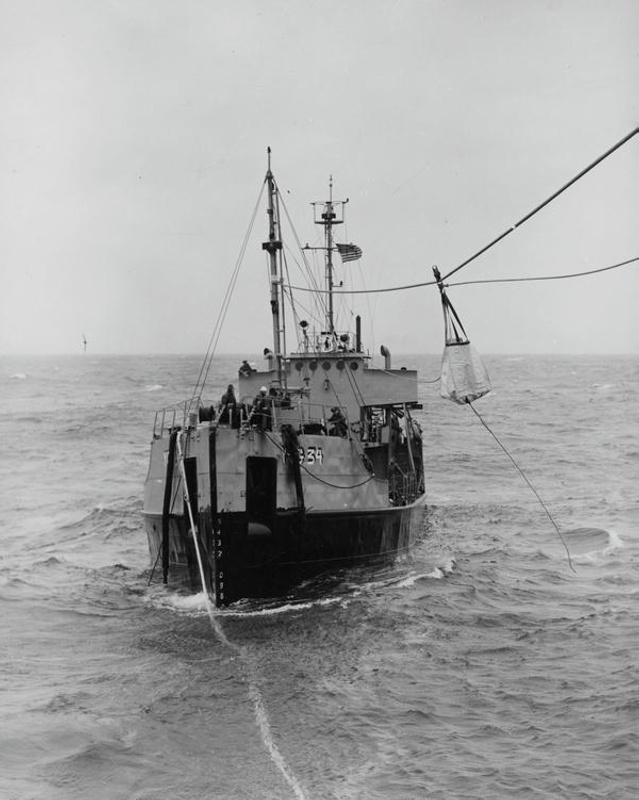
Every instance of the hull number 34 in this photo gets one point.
(310, 455)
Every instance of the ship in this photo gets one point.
(309, 466)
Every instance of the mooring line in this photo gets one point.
(259, 707)
(525, 477)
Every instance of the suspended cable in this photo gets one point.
(528, 216)
(545, 203)
(547, 277)
(466, 283)
(368, 291)
(525, 477)
(367, 479)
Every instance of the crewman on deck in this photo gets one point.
(261, 411)
(228, 405)
(337, 423)
(246, 368)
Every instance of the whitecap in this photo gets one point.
(153, 387)
(183, 603)
(196, 605)
(409, 581)
(448, 566)
(285, 608)
(19, 376)
(442, 570)
(596, 543)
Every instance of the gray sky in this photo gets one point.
(133, 146)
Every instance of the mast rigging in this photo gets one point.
(327, 219)
(274, 248)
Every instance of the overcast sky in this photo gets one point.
(133, 138)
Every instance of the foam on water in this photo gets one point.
(269, 609)
(192, 604)
(596, 545)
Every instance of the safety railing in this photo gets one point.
(172, 417)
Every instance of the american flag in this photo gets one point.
(349, 252)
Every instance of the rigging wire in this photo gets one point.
(408, 380)
(285, 291)
(545, 203)
(217, 330)
(508, 231)
(547, 277)
(316, 477)
(466, 283)
(525, 477)
(355, 388)
(367, 479)
(319, 293)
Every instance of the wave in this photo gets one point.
(326, 590)
(590, 544)
(439, 572)
(196, 604)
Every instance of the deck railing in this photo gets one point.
(172, 417)
(305, 417)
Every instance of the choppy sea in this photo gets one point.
(480, 666)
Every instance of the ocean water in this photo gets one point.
(480, 666)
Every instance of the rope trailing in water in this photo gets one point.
(259, 707)
(193, 531)
(525, 477)
(166, 506)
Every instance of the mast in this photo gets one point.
(328, 219)
(274, 246)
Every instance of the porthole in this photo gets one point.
(354, 365)
(326, 365)
(340, 364)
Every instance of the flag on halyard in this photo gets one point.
(349, 252)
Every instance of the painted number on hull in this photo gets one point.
(311, 455)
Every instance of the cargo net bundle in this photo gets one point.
(463, 375)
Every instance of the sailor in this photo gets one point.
(396, 430)
(261, 410)
(246, 368)
(228, 405)
(337, 423)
